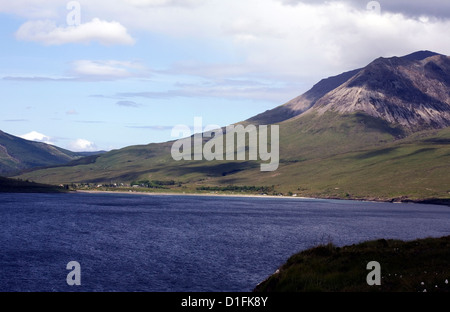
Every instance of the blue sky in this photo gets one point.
(133, 69)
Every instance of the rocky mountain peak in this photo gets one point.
(411, 91)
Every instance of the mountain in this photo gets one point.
(379, 132)
(18, 154)
(413, 94)
(412, 91)
(303, 102)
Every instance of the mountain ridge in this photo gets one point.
(18, 154)
(302, 103)
(411, 103)
(396, 91)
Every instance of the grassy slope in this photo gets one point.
(356, 157)
(413, 168)
(353, 156)
(404, 267)
(18, 154)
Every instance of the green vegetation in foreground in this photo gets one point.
(8, 185)
(413, 266)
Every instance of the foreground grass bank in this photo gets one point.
(413, 266)
(18, 186)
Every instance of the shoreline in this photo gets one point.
(430, 201)
(192, 194)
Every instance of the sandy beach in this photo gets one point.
(190, 194)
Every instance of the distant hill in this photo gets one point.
(18, 154)
(86, 154)
(380, 132)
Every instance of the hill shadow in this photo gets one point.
(376, 153)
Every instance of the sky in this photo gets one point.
(102, 75)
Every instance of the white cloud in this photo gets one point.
(107, 69)
(37, 137)
(93, 70)
(165, 3)
(408, 7)
(82, 145)
(46, 32)
(254, 39)
(268, 39)
(317, 40)
(31, 8)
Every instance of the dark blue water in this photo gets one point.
(183, 243)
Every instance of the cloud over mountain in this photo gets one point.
(82, 145)
(37, 137)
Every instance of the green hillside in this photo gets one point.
(340, 156)
(17, 154)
